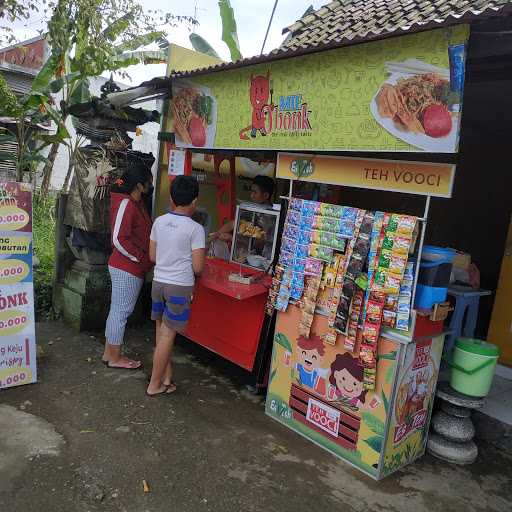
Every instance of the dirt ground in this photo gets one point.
(85, 437)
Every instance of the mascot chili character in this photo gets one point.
(259, 94)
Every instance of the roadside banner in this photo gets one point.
(17, 321)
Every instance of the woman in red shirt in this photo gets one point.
(129, 262)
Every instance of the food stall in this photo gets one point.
(354, 364)
(231, 294)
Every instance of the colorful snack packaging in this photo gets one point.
(349, 213)
(313, 267)
(392, 284)
(304, 236)
(296, 291)
(355, 266)
(301, 251)
(330, 224)
(385, 259)
(321, 252)
(347, 229)
(330, 338)
(406, 225)
(288, 244)
(402, 321)
(296, 204)
(388, 242)
(291, 231)
(409, 271)
(391, 302)
(392, 226)
(278, 272)
(310, 208)
(286, 258)
(388, 318)
(293, 217)
(299, 265)
(401, 245)
(397, 264)
(374, 312)
(331, 210)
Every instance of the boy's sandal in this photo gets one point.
(171, 388)
(123, 364)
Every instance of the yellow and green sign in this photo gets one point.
(399, 94)
(420, 178)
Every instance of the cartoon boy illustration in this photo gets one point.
(347, 379)
(309, 366)
(259, 94)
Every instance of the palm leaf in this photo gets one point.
(282, 340)
(229, 30)
(202, 46)
(375, 443)
(374, 424)
(385, 401)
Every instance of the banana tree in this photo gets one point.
(27, 114)
(90, 37)
(229, 34)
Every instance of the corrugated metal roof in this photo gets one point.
(343, 23)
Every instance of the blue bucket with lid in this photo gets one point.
(434, 276)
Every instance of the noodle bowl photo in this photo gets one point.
(415, 107)
(195, 111)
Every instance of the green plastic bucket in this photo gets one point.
(473, 366)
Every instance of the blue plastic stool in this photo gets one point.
(467, 301)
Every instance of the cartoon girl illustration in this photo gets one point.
(347, 378)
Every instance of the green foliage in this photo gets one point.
(374, 424)
(201, 45)
(44, 249)
(375, 443)
(282, 340)
(229, 30)
(12, 11)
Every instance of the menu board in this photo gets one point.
(17, 323)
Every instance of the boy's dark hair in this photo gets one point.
(265, 184)
(184, 189)
(129, 180)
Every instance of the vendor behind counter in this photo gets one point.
(262, 191)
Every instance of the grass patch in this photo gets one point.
(43, 225)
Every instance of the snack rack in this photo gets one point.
(385, 427)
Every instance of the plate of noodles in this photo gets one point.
(413, 105)
(194, 110)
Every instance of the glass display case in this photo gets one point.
(254, 236)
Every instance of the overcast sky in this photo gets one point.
(252, 18)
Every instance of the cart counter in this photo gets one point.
(227, 317)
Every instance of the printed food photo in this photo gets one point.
(195, 115)
(414, 105)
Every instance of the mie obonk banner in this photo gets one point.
(17, 322)
(399, 94)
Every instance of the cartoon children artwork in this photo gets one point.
(259, 93)
(309, 366)
(346, 379)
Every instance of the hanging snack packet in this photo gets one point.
(406, 225)
(304, 236)
(402, 321)
(330, 338)
(301, 251)
(321, 252)
(291, 231)
(310, 209)
(392, 284)
(288, 244)
(388, 318)
(392, 226)
(296, 204)
(293, 217)
(313, 267)
(286, 258)
(401, 245)
(374, 312)
(397, 265)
